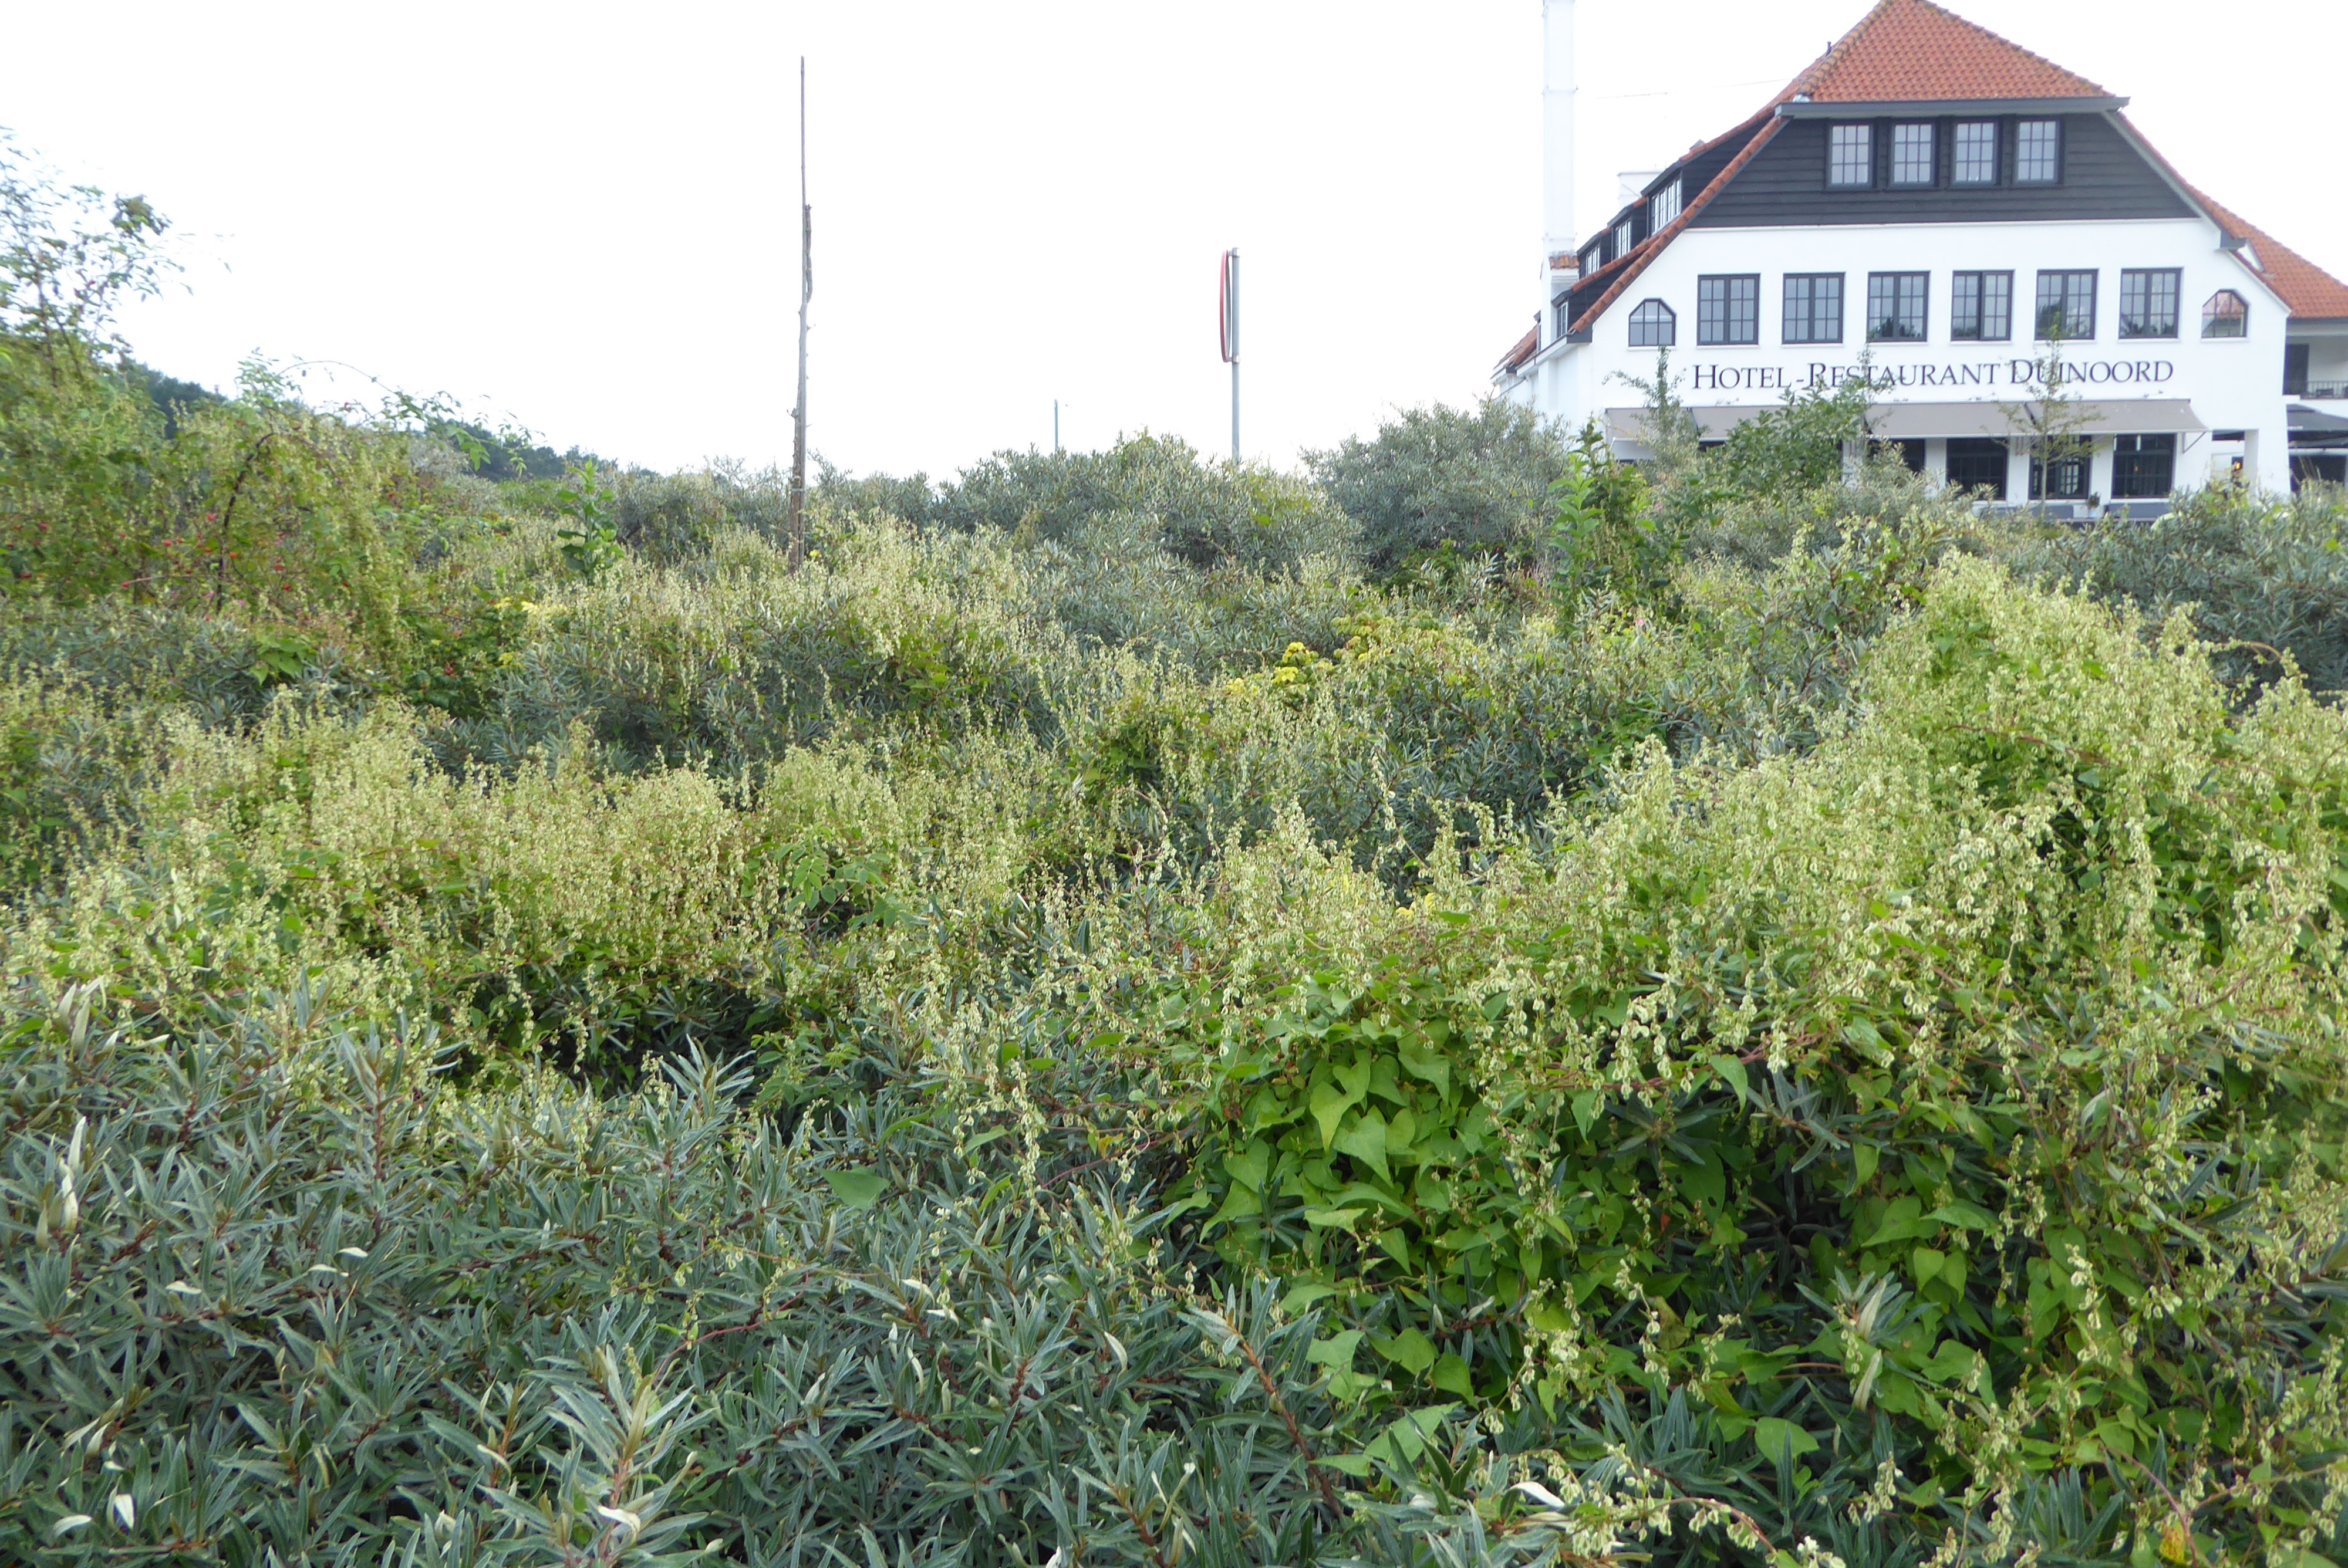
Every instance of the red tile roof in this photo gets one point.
(1652, 246)
(1911, 51)
(2307, 288)
(1524, 350)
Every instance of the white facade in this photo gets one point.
(2194, 387)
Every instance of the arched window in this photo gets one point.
(1653, 325)
(2227, 314)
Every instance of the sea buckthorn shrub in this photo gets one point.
(1475, 479)
(1206, 514)
(2257, 573)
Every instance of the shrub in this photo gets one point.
(1933, 1092)
(1476, 480)
(1716, 1028)
(2260, 573)
(1201, 512)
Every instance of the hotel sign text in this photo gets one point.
(1950, 376)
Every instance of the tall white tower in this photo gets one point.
(1560, 266)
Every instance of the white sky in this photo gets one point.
(582, 216)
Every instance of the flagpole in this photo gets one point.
(1231, 334)
(798, 546)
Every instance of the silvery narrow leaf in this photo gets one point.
(125, 1509)
(71, 1521)
(620, 1516)
(181, 1287)
(352, 1252)
(1541, 1494)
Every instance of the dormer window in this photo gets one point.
(2227, 314)
(1594, 257)
(1625, 236)
(1851, 156)
(2038, 152)
(1976, 161)
(1912, 162)
(1662, 207)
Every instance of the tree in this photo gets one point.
(69, 254)
(2052, 423)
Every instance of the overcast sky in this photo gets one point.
(582, 217)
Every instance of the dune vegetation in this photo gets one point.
(1470, 1004)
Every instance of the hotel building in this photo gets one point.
(1949, 207)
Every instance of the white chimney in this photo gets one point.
(1559, 265)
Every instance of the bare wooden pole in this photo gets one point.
(797, 552)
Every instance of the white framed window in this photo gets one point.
(1654, 324)
(1625, 235)
(1662, 207)
(2038, 152)
(2227, 314)
(1912, 162)
(1851, 156)
(1976, 159)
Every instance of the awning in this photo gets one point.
(2312, 429)
(1918, 421)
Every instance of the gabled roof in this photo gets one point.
(1911, 51)
(2312, 292)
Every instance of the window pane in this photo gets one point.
(1964, 306)
(1814, 307)
(1911, 154)
(2037, 152)
(2148, 301)
(1896, 306)
(2066, 304)
(1663, 207)
(2227, 314)
(1623, 239)
(1977, 152)
(1997, 306)
(1983, 307)
(1653, 325)
(1852, 161)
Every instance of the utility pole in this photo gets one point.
(1056, 427)
(798, 546)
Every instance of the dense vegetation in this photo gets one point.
(1474, 1007)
